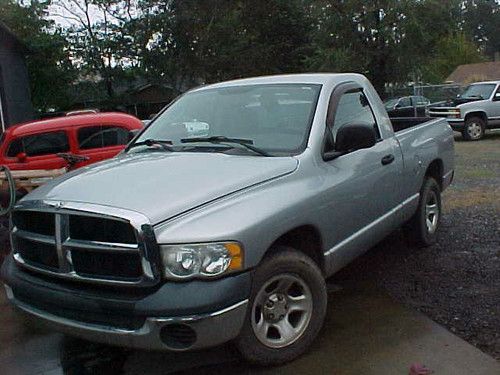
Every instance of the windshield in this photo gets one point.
(391, 103)
(479, 91)
(275, 117)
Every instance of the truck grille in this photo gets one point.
(439, 112)
(82, 246)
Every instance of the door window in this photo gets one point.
(405, 102)
(420, 101)
(102, 136)
(353, 107)
(39, 144)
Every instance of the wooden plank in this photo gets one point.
(30, 179)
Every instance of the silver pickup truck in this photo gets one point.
(221, 220)
(471, 113)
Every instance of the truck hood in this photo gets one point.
(457, 102)
(163, 185)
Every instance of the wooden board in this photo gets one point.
(30, 179)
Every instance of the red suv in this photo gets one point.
(78, 140)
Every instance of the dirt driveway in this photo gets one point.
(457, 281)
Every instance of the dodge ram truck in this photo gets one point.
(471, 113)
(220, 221)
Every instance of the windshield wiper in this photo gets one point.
(166, 145)
(247, 143)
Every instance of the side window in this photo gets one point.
(496, 97)
(353, 107)
(420, 101)
(40, 144)
(102, 136)
(15, 147)
(405, 102)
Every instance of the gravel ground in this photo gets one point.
(457, 281)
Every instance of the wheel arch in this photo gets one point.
(306, 239)
(436, 170)
(482, 115)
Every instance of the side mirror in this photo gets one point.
(352, 137)
(21, 157)
(496, 98)
(397, 106)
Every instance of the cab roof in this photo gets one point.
(306, 78)
(73, 121)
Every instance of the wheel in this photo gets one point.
(473, 129)
(424, 224)
(286, 310)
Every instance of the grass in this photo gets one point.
(477, 174)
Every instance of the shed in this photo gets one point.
(15, 98)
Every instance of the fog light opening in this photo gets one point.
(178, 336)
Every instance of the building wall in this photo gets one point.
(14, 84)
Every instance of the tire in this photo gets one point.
(422, 232)
(473, 129)
(262, 340)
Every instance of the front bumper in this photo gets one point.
(161, 320)
(456, 124)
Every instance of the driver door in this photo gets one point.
(362, 185)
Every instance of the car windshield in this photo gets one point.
(479, 91)
(275, 118)
(391, 103)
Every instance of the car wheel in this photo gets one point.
(425, 223)
(473, 129)
(286, 310)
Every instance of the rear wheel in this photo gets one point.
(425, 223)
(286, 310)
(473, 129)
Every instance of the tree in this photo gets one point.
(49, 67)
(388, 40)
(481, 21)
(454, 50)
(98, 45)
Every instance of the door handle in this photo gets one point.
(387, 159)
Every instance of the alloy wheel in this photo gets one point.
(431, 212)
(281, 311)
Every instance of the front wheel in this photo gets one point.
(473, 129)
(286, 310)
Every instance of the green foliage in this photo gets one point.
(182, 43)
(453, 50)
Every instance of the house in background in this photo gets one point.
(15, 99)
(465, 74)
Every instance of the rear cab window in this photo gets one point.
(99, 136)
(39, 144)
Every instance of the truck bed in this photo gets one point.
(403, 123)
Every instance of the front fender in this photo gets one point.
(255, 218)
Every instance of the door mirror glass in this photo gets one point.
(21, 157)
(355, 136)
(497, 97)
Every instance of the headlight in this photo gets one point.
(454, 113)
(201, 260)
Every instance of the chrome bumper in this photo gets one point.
(209, 329)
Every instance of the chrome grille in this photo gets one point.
(64, 241)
